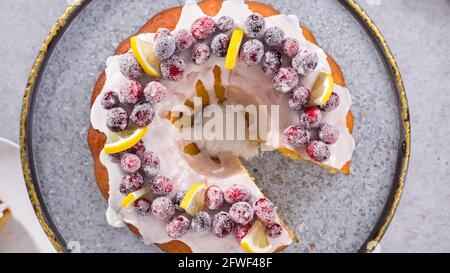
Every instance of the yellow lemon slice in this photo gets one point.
(194, 199)
(256, 240)
(129, 200)
(122, 141)
(144, 53)
(322, 90)
(233, 48)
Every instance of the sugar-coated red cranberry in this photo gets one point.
(299, 98)
(162, 32)
(129, 67)
(173, 68)
(296, 136)
(305, 62)
(143, 207)
(179, 196)
(178, 227)
(201, 222)
(117, 119)
(130, 163)
(201, 53)
(225, 23)
(130, 92)
(310, 118)
(110, 99)
(165, 47)
(161, 186)
(138, 149)
(237, 193)
(203, 27)
(150, 164)
(241, 213)
(251, 52)
(274, 230)
(142, 114)
(131, 183)
(214, 198)
(240, 231)
(271, 62)
(285, 80)
(332, 103)
(163, 208)
(115, 158)
(318, 151)
(328, 133)
(254, 26)
(183, 39)
(274, 37)
(290, 47)
(222, 224)
(155, 92)
(265, 211)
(219, 45)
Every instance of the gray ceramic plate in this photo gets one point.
(330, 213)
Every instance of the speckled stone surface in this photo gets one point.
(350, 205)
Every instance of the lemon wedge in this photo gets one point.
(256, 240)
(144, 53)
(233, 48)
(194, 199)
(119, 142)
(129, 200)
(322, 90)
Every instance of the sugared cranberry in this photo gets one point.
(161, 186)
(274, 230)
(130, 163)
(296, 136)
(265, 211)
(150, 164)
(310, 118)
(241, 213)
(225, 23)
(328, 133)
(201, 53)
(165, 47)
(183, 39)
(237, 193)
(214, 198)
(201, 222)
(240, 231)
(130, 68)
(318, 151)
(138, 149)
(254, 26)
(219, 45)
(222, 224)
(143, 207)
(290, 47)
(110, 99)
(130, 92)
(271, 62)
(299, 98)
(173, 68)
(131, 183)
(305, 62)
(155, 92)
(143, 114)
(332, 103)
(178, 227)
(162, 32)
(285, 80)
(163, 208)
(178, 199)
(117, 119)
(115, 158)
(203, 27)
(274, 37)
(251, 52)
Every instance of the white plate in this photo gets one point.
(22, 233)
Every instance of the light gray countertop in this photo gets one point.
(418, 34)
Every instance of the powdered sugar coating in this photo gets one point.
(225, 23)
(318, 151)
(178, 227)
(129, 67)
(271, 62)
(203, 27)
(332, 103)
(138, 149)
(274, 230)
(155, 92)
(285, 80)
(173, 68)
(290, 47)
(183, 39)
(310, 118)
(254, 26)
(143, 207)
(219, 45)
(240, 231)
(305, 62)
(265, 211)
(237, 193)
(163, 208)
(201, 222)
(130, 92)
(110, 99)
(131, 183)
(162, 32)
(274, 37)
(117, 119)
(299, 98)
(241, 213)
(150, 164)
(201, 53)
(161, 186)
(130, 163)
(328, 133)
(296, 136)
(165, 47)
(251, 52)
(142, 114)
(222, 224)
(214, 198)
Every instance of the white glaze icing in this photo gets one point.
(3, 208)
(184, 170)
